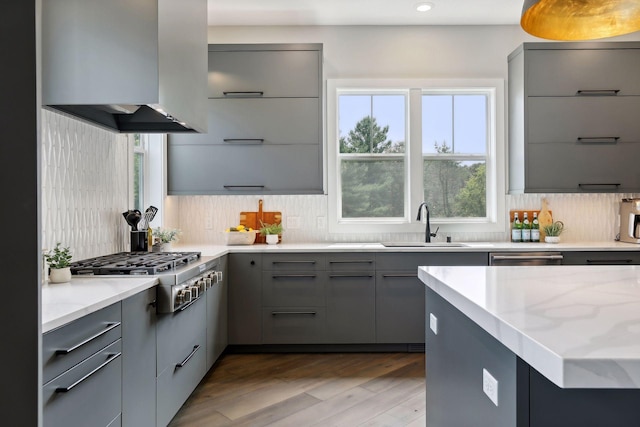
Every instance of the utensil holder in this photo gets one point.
(139, 241)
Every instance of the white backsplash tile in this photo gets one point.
(84, 186)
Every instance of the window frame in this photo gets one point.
(495, 158)
(153, 147)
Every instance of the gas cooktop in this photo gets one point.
(134, 263)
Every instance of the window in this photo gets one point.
(147, 153)
(140, 144)
(394, 144)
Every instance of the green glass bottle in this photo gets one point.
(526, 229)
(516, 229)
(535, 228)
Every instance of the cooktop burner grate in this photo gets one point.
(133, 263)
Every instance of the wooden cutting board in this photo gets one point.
(253, 220)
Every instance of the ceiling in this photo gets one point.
(363, 12)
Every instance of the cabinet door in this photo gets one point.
(245, 298)
(283, 74)
(138, 359)
(304, 262)
(351, 307)
(564, 72)
(400, 313)
(244, 169)
(583, 120)
(258, 121)
(93, 392)
(601, 258)
(293, 325)
(351, 262)
(583, 167)
(217, 316)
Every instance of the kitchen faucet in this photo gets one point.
(427, 232)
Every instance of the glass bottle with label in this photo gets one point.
(535, 228)
(526, 229)
(516, 229)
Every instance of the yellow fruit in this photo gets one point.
(240, 227)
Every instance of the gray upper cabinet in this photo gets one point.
(265, 125)
(572, 121)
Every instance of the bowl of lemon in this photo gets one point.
(240, 235)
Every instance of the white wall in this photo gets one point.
(390, 52)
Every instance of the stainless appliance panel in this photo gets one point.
(525, 258)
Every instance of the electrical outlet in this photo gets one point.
(208, 223)
(490, 386)
(433, 323)
(293, 222)
(321, 222)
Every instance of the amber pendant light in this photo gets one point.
(580, 19)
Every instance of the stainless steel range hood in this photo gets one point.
(127, 65)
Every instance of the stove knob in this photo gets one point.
(207, 282)
(184, 296)
(219, 276)
(195, 291)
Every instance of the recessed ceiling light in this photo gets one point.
(424, 7)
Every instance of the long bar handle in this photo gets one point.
(527, 257)
(609, 261)
(186, 360)
(332, 276)
(110, 359)
(399, 275)
(279, 276)
(308, 313)
(598, 92)
(250, 140)
(110, 326)
(293, 262)
(599, 139)
(243, 93)
(353, 261)
(230, 186)
(598, 184)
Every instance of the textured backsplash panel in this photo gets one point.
(85, 176)
(587, 217)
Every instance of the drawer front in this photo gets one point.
(64, 347)
(92, 402)
(178, 333)
(603, 120)
(175, 384)
(597, 168)
(348, 261)
(601, 258)
(293, 325)
(274, 73)
(294, 262)
(410, 261)
(258, 121)
(564, 72)
(244, 169)
(289, 289)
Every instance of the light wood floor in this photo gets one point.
(304, 390)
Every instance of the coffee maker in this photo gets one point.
(630, 220)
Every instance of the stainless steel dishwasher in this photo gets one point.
(525, 258)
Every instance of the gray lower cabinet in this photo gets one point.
(601, 258)
(217, 297)
(82, 371)
(245, 298)
(351, 307)
(181, 358)
(139, 360)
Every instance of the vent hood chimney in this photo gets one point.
(127, 65)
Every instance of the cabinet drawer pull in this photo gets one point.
(243, 93)
(281, 276)
(332, 276)
(598, 92)
(110, 326)
(353, 261)
(293, 262)
(596, 184)
(306, 313)
(243, 187)
(599, 139)
(186, 360)
(399, 275)
(110, 359)
(609, 261)
(249, 140)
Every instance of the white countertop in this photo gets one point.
(577, 325)
(65, 302)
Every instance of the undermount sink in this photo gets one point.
(423, 245)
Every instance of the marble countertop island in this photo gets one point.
(579, 326)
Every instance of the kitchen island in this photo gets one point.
(526, 347)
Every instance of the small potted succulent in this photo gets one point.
(59, 260)
(162, 239)
(271, 231)
(552, 232)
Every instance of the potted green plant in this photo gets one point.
(162, 238)
(552, 231)
(271, 231)
(58, 260)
